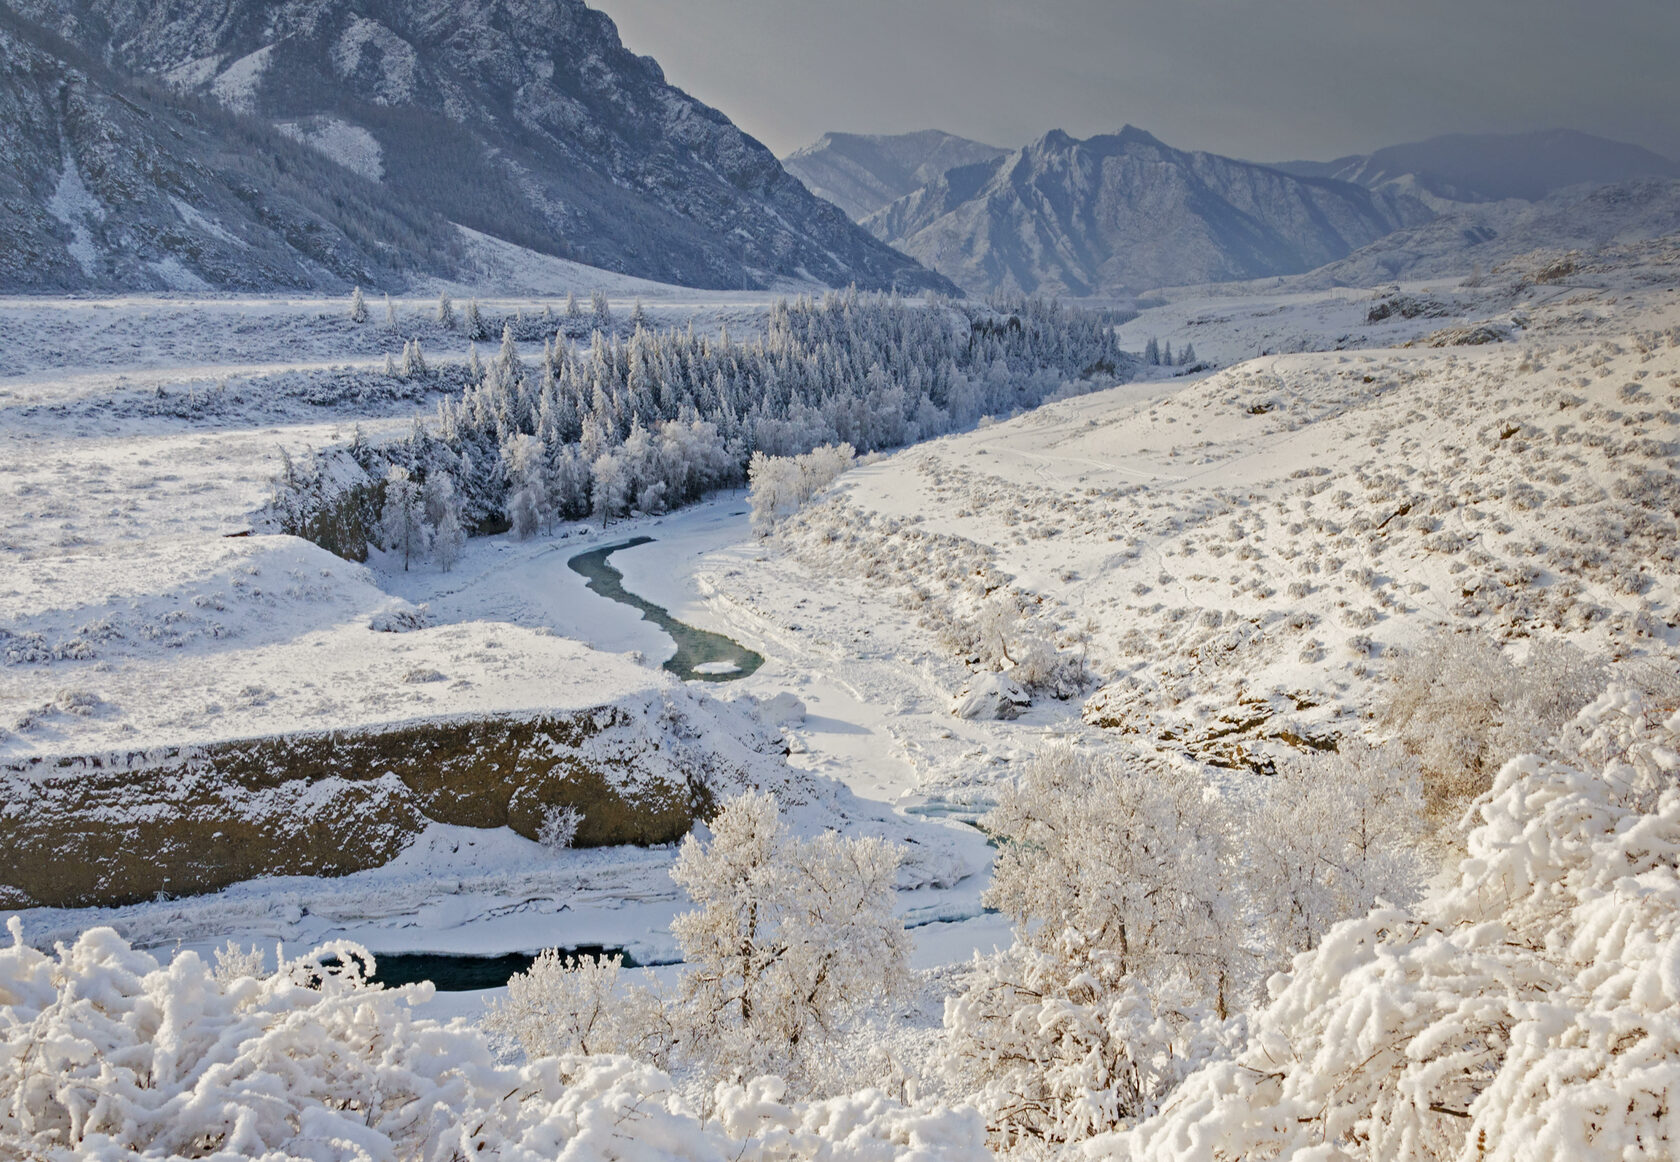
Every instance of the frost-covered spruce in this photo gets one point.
(403, 527)
(654, 420)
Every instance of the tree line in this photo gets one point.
(651, 420)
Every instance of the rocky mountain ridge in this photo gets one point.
(861, 173)
(1119, 213)
(527, 120)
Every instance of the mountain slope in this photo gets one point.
(1489, 167)
(110, 185)
(1124, 212)
(1482, 236)
(525, 119)
(861, 173)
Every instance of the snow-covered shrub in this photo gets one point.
(1529, 1012)
(1330, 835)
(1157, 844)
(779, 485)
(568, 1005)
(791, 938)
(1002, 635)
(233, 962)
(1462, 706)
(105, 1054)
(559, 827)
(1128, 948)
(1049, 1052)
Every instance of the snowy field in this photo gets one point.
(1228, 547)
(135, 611)
(1239, 557)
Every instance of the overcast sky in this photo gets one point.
(1268, 80)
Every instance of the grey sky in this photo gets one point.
(1264, 79)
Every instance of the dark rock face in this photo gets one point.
(861, 173)
(1125, 212)
(115, 829)
(525, 119)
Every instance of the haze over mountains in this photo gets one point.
(234, 144)
(527, 121)
(1488, 167)
(1121, 213)
(861, 173)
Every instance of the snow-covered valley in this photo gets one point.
(1210, 573)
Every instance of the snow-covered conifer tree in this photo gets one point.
(449, 540)
(445, 312)
(402, 522)
(358, 307)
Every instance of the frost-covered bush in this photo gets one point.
(1147, 909)
(790, 938)
(559, 827)
(105, 1054)
(1531, 1011)
(1051, 1053)
(1462, 706)
(1154, 847)
(778, 486)
(1127, 955)
(1002, 635)
(569, 1005)
(1330, 835)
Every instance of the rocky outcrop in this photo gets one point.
(108, 184)
(112, 829)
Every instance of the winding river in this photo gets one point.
(701, 655)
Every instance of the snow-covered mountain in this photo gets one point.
(861, 172)
(1480, 236)
(111, 184)
(1125, 212)
(1489, 167)
(529, 121)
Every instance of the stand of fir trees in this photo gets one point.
(658, 419)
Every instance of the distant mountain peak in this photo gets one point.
(1490, 167)
(862, 172)
(1119, 213)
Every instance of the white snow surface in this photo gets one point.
(236, 85)
(1251, 546)
(74, 204)
(351, 146)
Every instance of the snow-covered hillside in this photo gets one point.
(1244, 554)
(1236, 643)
